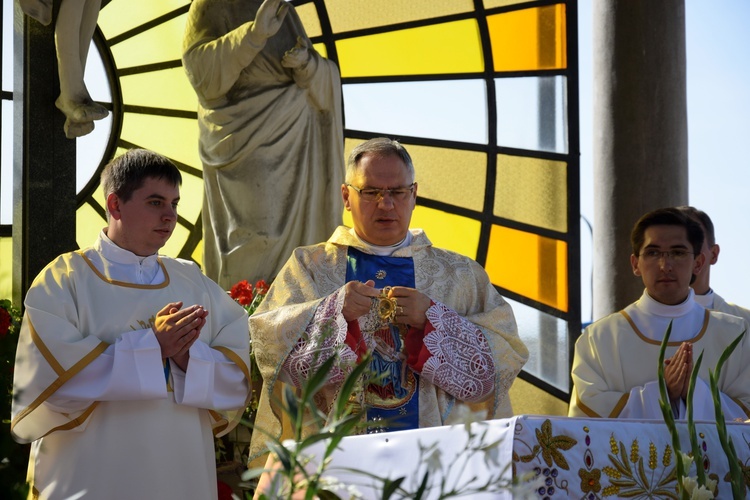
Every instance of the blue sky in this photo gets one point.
(718, 78)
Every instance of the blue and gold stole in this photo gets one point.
(393, 404)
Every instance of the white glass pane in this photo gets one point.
(6, 164)
(546, 337)
(7, 46)
(90, 148)
(450, 110)
(531, 113)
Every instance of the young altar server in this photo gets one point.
(128, 360)
(615, 365)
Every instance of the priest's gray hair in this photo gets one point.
(379, 147)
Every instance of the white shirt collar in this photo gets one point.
(384, 251)
(652, 306)
(706, 300)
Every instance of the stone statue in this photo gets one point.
(271, 135)
(74, 28)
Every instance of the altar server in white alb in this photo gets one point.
(128, 360)
(704, 294)
(616, 358)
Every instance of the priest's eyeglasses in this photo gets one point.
(377, 194)
(675, 255)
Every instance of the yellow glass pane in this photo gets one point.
(308, 14)
(529, 39)
(191, 197)
(6, 267)
(447, 175)
(197, 254)
(448, 231)
(169, 89)
(158, 44)
(530, 265)
(450, 175)
(488, 4)
(445, 230)
(176, 138)
(444, 48)
(176, 242)
(119, 16)
(88, 225)
(321, 49)
(532, 191)
(346, 15)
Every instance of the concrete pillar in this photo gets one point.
(44, 160)
(640, 132)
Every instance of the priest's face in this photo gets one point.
(384, 220)
(666, 263)
(144, 223)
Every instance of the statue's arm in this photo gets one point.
(214, 59)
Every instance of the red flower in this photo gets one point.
(261, 287)
(242, 292)
(5, 320)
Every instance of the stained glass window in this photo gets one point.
(478, 92)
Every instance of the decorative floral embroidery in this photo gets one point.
(590, 480)
(323, 338)
(628, 475)
(549, 447)
(461, 361)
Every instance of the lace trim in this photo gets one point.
(461, 361)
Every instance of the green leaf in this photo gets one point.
(347, 388)
(327, 495)
(390, 487)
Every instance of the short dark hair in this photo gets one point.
(127, 173)
(380, 147)
(671, 216)
(703, 219)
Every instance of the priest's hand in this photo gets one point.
(358, 299)
(677, 370)
(412, 305)
(268, 20)
(177, 329)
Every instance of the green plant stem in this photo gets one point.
(697, 454)
(666, 410)
(737, 479)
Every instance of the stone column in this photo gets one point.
(44, 161)
(640, 132)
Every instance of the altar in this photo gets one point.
(553, 457)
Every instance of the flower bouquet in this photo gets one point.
(13, 456)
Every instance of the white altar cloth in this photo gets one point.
(565, 457)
